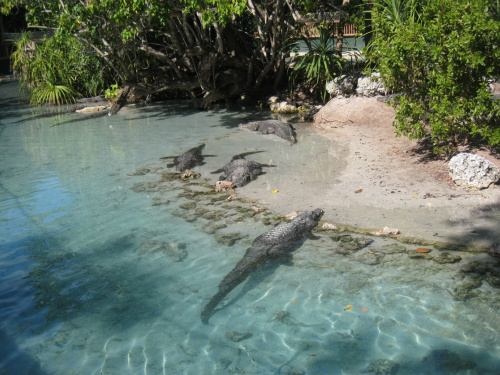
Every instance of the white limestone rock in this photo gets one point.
(371, 85)
(284, 107)
(472, 171)
(342, 85)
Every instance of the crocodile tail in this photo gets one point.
(209, 308)
(230, 281)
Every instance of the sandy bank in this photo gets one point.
(388, 181)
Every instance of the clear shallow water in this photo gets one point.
(101, 274)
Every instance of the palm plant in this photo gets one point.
(399, 12)
(319, 65)
(58, 70)
(22, 58)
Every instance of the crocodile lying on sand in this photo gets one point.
(280, 128)
(275, 243)
(187, 160)
(240, 171)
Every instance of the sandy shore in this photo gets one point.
(385, 181)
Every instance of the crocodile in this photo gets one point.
(240, 171)
(274, 244)
(187, 160)
(277, 127)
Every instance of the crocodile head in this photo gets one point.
(317, 214)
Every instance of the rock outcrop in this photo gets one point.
(370, 85)
(472, 171)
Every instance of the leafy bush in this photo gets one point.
(438, 56)
(57, 70)
(112, 91)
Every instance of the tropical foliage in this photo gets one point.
(319, 65)
(209, 50)
(438, 56)
(56, 70)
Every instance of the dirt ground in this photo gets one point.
(394, 182)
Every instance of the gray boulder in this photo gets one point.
(472, 171)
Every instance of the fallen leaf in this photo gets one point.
(364, 309)
(325, 266)
(313, 355)
(423, 250)
(371, 252)
(348, 307)
(358, 191)
(415, 196)
(275, 191)
(294, 301)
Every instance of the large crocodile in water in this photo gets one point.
(277, 127)
(273, 244)
(187, 160)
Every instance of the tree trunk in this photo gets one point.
(340, 29)
(120, 101)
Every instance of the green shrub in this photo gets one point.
(56, 70)
(438, 57)
(112, 91)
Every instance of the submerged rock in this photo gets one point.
(228, 239)
(447, 258)
(370, 258)
(414, 254)
(140, 172)
(188, 206)
(381, 367)
(158, 201)
(236, 336)
(176, 251)
(467, 290)
(472, 171)
(285, 318)
(212, 227)
(393, 248)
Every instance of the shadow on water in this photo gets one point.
(65, 284)
(14, 360)
(11, 102)
(79, 118)
(229, 117)
(435, 362)
(52, 113)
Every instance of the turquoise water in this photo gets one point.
(106, 263)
